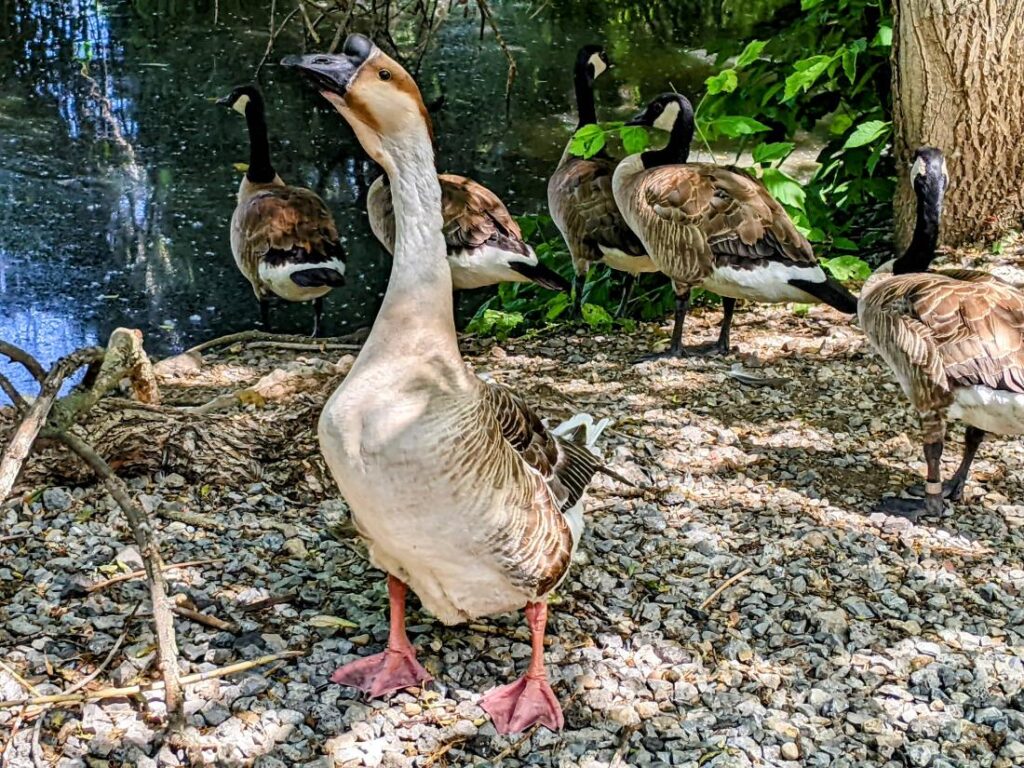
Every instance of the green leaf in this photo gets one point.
(805, 74)
(840, 124)
(778, 150)
(850, 64)
(750, 53)
(806, 5)
(557, 305)
(597, 317)
(733, 126)
(784, 188)
(724, 82)
(868, 132)
(634, 138)
(847, 268)
(884, 37)
(496, 322)
(587, 141)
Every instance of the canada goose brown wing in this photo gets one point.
(957, 333)
(567, 466)
(970, 275)
(288, 224)
(581, 196)
(473, 215)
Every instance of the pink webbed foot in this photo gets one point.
(529, 700)
(383, 673)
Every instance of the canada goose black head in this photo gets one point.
(592, 61)
(670, 112)
(929, 176)
(248, 101)
(242, 98)
(372, 91)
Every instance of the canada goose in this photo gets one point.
(714, 226)
(457, 486)
(954, 340)
(485, 244)
(283, 238)
(580, 197)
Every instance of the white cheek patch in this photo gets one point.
(667, 119)
(598, 64)
(917, 169)
(241, 103)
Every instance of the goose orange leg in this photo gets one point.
(394, 669)
(529, 700)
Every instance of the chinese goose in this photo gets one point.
(953, 339)
(580, 197)
(485, 244)
(283, 238)
(714, 226)
(456, 485)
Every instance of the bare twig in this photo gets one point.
(20, 444)
(167, 649)
(310, 28)
(485, 12)
(116, 693)
(21, 680)
(245, 337)
(13, 537)
(728, 583)
(304, 346)
(12, 394)
(273, 35)
(18, 355)
(268, 602)
(139, 574)
(511, 748)
(183, 610)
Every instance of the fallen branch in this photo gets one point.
(255, 335)
(13, 537)
(115, 693)
(728, 583)
(16, 355)
(167, 648)
(139, 574)
(268, 602)
(24, 437)
(181, 609)
(302, 346)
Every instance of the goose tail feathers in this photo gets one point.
(581, 429)
(830, 292)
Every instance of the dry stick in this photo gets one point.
(310, 28)
(728, 583)
(513, 747)
(145, 540)
(20, 444)
(138, 574)
(115, 693)
(12, 394)
(273, 35)
(268, 602)
(485, 11)
(18, 355)
(303, 346)
(254, 335)
(13, 537)
(342, 26)
(213, 622)
(21, 680)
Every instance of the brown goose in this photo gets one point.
(581, 202)
(457, 486)
(283, 238)
(714, 226)
(485, 244)
(954, 340)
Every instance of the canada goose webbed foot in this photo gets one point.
(911, 509)
(383, 673)
(529, 700)
(952, 489)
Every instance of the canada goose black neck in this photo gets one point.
(584, 86)
(260, 170)
(921, 251)
(677, 150)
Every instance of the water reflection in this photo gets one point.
(116, 173)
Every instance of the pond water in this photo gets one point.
(117, 176)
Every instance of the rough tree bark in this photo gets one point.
(958, 69)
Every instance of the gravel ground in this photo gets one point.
(841, 638)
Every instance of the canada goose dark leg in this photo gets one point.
(318, 317)
(627, 294)
(394, 669)
(675, 349)
(265, 313)
(578, 284)
(953, 489)
(528, 701)
(931, 504)
(728, 306)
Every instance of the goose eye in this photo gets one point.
(322, 60)
(384, 74)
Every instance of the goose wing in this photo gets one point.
(582, 203)
(473, 216)
(954, 333)
(288, 225)
(729, 211)
(566, 466)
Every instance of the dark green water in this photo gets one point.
(116, 172)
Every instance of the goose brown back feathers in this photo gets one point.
(940, 333)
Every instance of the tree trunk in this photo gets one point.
(958, 69)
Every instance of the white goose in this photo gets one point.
(458, 488)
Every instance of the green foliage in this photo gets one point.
(591, 139)
(847, 268)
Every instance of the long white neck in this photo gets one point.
(416, 317)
